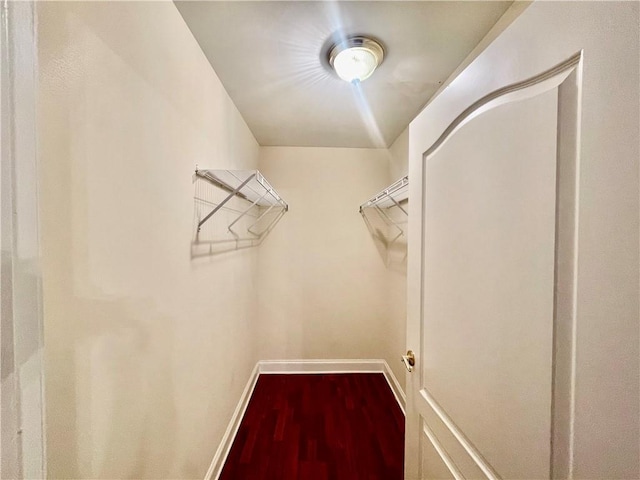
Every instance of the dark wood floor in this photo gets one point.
(317, 427)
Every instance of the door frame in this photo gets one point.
(567, 77)
(23, 442)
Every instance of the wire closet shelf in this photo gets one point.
(386, 217)
(395, 195)
(248, 185)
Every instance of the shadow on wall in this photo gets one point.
(114, 318)
(111, 391)
(235, 226)
(388, 229)
(110, 394)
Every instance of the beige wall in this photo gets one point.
(147, 350)
(397, 268)
(323, 286)
(606, 423)
(399, 156)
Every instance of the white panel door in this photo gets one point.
(482, 391)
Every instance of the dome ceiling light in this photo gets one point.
(355, 58)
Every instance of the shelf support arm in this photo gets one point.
(258, 219)
(386, 218)
(398, 205)
(247, 210)
(271, 224)
(229, 197)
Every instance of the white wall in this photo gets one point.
(323, 286)
(147, 349)
(607, 416)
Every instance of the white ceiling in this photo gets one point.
(271, 58)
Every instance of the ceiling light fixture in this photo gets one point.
(355, 58)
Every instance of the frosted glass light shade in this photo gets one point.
(356, 58)
(355, 64)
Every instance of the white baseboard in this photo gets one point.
(337, 366)
(215, 469)
(321, 366)
(292, 367)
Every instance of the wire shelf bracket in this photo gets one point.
(394, 195)
(248, 185)
(390, 207)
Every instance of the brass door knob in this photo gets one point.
(409, 360)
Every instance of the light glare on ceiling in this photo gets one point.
(356, 58)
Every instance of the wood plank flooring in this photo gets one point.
(319, 427)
